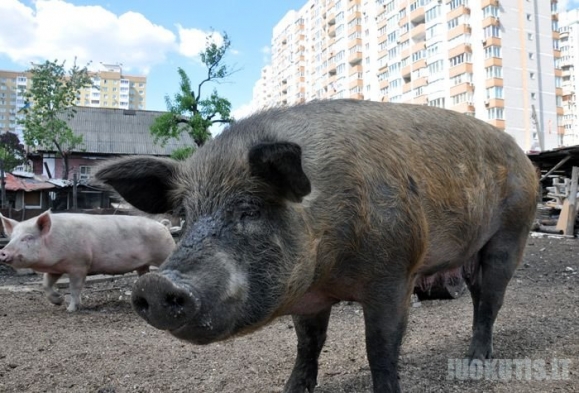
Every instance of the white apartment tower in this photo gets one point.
(569, 41)
(496, 60)
(111, 89)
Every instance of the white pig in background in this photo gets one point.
(83, 244)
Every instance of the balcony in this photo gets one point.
(417, 16)
(354, 83)
(355, 56)
(499, 123)
(355, 70)
(332, 31)
(463, 29)
(460, 49)
(384, 83)
(354, 15)
(491, 41)
(458, 11)
(494, 103)
(418, 32)
(460, 69)
(493, 61)
(490, 21)
(491, 82)
(465, 87)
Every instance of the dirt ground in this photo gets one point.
(106, 348)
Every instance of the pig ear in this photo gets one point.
(44, 223)
(280, 165)
(144, 182)
(8, 225)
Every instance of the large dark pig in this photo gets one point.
(84, 244)
(293, 210)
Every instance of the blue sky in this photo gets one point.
(149, 37)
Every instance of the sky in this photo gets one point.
(148, 37)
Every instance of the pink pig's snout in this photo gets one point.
(5, 256)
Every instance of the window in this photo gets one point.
(492, 31)
(494, 72)
(33, 199)
(492, 51)
(495, 113)
(495, 92)
(462, 58)
(85, 172)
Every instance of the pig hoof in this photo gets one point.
(55, 299)
(480, 352)
(300, 386)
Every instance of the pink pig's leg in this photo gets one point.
(76, 284)
(48, 286)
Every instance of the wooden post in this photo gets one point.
(3, 200)
(74, 192)
(569, 231)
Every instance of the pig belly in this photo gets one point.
(118, 263)
(312, 302)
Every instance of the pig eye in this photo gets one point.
(250, 214)
(27, 238)
(248, 211)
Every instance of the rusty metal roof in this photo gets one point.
(27, 184)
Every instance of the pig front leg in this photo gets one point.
(385, 316)
(311, 332)
(48, 285)
(76, 285)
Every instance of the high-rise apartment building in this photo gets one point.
(498, 61)
(569, 41)
(111, 89)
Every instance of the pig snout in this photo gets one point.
(162, 303)
(5, 256)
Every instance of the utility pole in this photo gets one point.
(3, 201)
(540, 134)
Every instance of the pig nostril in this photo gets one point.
(141, 304)
(175, 301)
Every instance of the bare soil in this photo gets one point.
(106, 348)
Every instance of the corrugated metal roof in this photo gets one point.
(121, 131)
(17, 183)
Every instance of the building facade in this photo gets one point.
(569, 41)
(111, 89)
(498, 61)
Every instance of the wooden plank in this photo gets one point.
(570, 228)
(563, 216)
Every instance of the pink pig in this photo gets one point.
(84, 244)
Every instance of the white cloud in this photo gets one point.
(243, 111)
(55, 29)
(193, 41)
(238, 114)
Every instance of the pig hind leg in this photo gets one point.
(311, 332)
(48, 285)
(497, 262)
(76, 285)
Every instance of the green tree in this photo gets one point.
(189, 111)
(49, 104)
(12, 152)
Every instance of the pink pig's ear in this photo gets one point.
(44, 222)
(8, 225)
